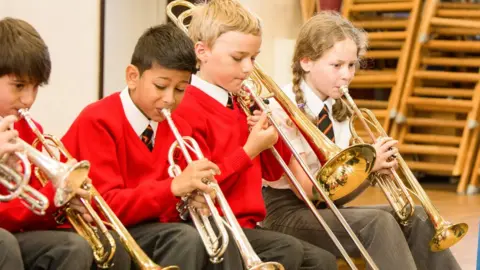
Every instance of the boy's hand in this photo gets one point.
(385, 148)
(8, 142)
(195, 177)
(77, 205)
(262, 136)
(253, 119)
(197, 200)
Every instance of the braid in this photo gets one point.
(340, 111)
(299, 98)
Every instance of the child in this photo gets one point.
(326, 54)
(24, 65)
(10, 255)
(126, 139)
(227, 40)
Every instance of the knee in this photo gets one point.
(291, 252)
(77, 247)
(187, 237)
(320, 259)
(9, 247)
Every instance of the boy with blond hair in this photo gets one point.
(227, 40)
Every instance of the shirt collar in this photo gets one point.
(215, 92)
(314, 103)
(135, 117)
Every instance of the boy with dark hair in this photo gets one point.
(126, 139)
(24, 66)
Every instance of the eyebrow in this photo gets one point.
(245, 53)
(19, 80)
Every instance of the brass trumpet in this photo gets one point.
(202, 223)
(396, 192)
(102, 256)
(17, 183)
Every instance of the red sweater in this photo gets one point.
(14, 216)
(221, 133)
(133, 181)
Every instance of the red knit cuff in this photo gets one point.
(239, 160)
(164, 195)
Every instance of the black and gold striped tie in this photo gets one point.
(147, 136)
(325, 124)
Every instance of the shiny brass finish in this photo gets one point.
(202, 222)
(17, 185)
(394, 188)
(103, 256)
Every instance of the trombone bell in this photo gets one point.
(345, 174)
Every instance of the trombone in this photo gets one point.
(343, 173)
(202, 223)
(397, 194)
(17, 183)
(102, 256)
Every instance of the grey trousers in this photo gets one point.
(54, 250)
(390, 246)
(180, 244)
(10, 254)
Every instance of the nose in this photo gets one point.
(169, 97)
(347, 73)
(28, 96)
(247, 65)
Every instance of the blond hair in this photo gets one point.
(217, 17)
(318, 35)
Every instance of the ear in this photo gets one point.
(132, 76)
(306, 64)
(202, 51)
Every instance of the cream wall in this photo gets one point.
(71, 31)
(125, 21)
(281, 21)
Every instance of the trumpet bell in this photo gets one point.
(69, 180)
(344, 175)
(448, 236)
(267, 266)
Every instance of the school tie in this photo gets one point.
(324, 124)
(230, 102)
(147, 137)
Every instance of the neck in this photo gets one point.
(206, 78)
(318, 93)
(134, 103)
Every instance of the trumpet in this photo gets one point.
(202, 223)
(17, 183)
(395, 190)
(103, 257)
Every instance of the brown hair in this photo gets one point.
(217, 17)
(318, 35)
(23, 52)
(165, 45)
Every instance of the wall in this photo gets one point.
(71, 31)
(281, 21)
(125, 21)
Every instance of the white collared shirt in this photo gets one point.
(314, 105)
(135, 117)
(217, 93)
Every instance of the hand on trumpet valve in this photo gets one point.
(198, 202)
(77, 205)
(263, 134)
(386, 153)
(195, 176)
(8, 142)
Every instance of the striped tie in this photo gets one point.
(325, 124)
(230, 102)
(147, 137)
